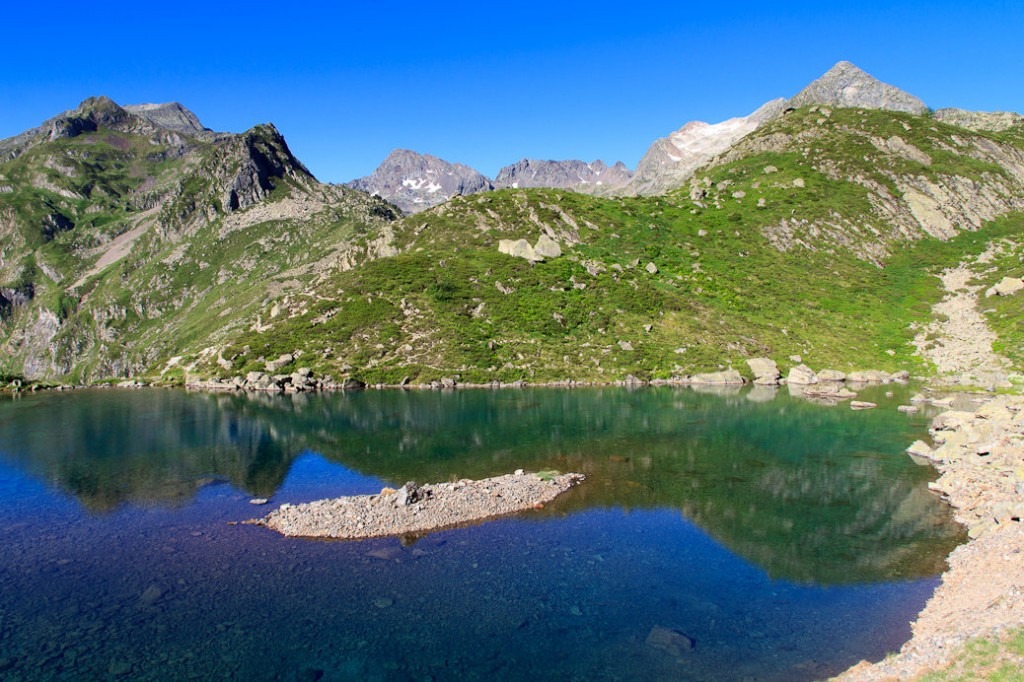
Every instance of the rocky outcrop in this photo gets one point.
(994, 121)
(164, 123)
(415, 182)
(672, 160)
(580, 176)
(171, 116)
(845, 85)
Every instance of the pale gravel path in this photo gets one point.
(960, 343)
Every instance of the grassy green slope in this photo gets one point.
(728, 287)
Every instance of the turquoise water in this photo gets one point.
(788, 540)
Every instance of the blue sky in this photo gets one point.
(486, 84)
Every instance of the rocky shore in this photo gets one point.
(764, 370)
(414, 509)
(980, 456)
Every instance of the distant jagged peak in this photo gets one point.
(170, 116)
(571, 174)
(846, 85)
(415, 182)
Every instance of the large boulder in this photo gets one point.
(547, 247)
(765, 371)
(1008, 286)
(802, 375)
(519, 248)
(831, 375)
(729, 377)
(869, 376)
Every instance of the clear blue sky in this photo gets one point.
(486, 83)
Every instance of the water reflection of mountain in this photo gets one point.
(808, 493)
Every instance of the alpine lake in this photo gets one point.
(785, 540)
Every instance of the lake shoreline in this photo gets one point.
(938, 630)
(979, 456)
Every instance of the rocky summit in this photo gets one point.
(415, 182)
(845, 85)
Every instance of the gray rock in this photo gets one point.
(831, 375)
(802, 375)
(274, 365)
(862, 405)
(1007, 286)
(729, 377)
(519, 248)
(547, 247)
(672, 642)
(994, 121)
(765, 371)
(870, 376)
(170, 116)
(672, 160)
(410, 493)
(651, 268)
(920, 449)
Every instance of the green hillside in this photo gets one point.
(799, 243)
(817, 236)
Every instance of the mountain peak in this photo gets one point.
(846, 85)
(415, 182)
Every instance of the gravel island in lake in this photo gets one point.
(418, 509)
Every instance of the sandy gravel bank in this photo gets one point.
(419, 509)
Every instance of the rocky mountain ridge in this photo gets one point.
(672, 160)
(129, 246)
(576, 175)
(668, 163)
(110, 215)
(415, 182)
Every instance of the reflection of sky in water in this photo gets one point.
(162, 587)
